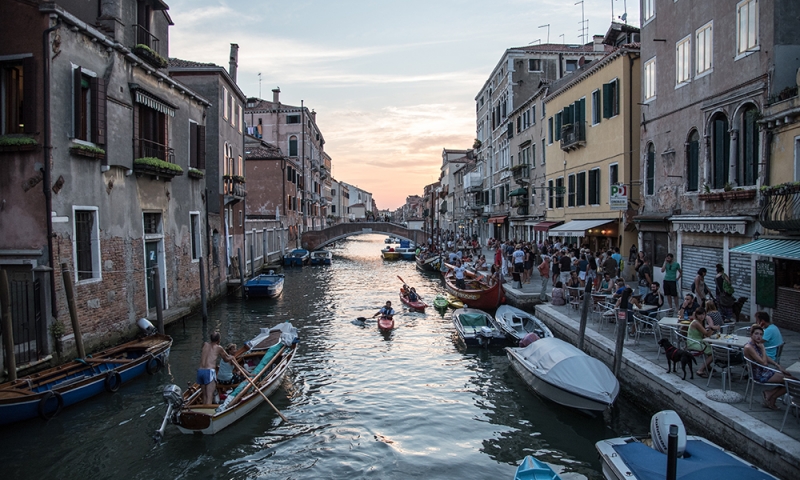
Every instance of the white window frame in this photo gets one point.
(648, 80)
(752, 12)
(537, 60)
(648, 10)
(224, 103)
(683, 61)
(97, 271)
(707, 41)
(597, 107)
(197, 238)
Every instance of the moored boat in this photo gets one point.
(564, 374)
(268, 285)
(533, 469)
(440, 302)
(517, 323)
(390, 253)
(297, 257)
(428, 263)
(454, 302)
(480, 292)
(321, 257)
(645, 457)
(267, 356)
(477, 328)
(407, 253)
(47, 392)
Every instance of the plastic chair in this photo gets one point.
(752, 382)
(792, 398)
(723, 358)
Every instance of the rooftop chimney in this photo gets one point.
(598, 43)
(234, 61)
(314, 116)
(276, 95)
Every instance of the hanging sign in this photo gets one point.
(618, 200)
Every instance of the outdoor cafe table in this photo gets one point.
(673, 322)
(794, 369)
(732, 341)
(645, 308)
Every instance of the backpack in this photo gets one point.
(726, 285)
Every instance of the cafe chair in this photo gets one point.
(723, 359)
(792, 398)
(604, 313)
(683, 342)
(575, 296)
(752, 382)
(778, 349)
(665, 331)
(644, 326)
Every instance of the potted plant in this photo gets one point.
(57, 330)
(16, 143)
(88, 151)
(150, 56)
(157, 167)
(196, 173)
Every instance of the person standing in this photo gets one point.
(672, 273)
(459, 273)
(645, 276)
(699, 286)
(565, 266)
(544, 272)
(724, 291)
(610, 265)
(207, 373)
(518, 257)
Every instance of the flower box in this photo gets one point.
(17, 143)
(88, 152)
(149, 55)
(157, 168)
(711, 197)
(195, 173)
(740, 194)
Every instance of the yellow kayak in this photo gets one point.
(454, 301)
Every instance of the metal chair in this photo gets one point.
(778, 349)
(605, 313)
(665, 331)
(644, 326)
(723, 358)
(752, 382)
(792, 398)
(683, 342)
(575, 296)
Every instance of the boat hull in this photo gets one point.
(387, 255)
(321, 257)
(482, 296)
(430, 265)
(296, 258)
(518, 323)
(269, 286)
(385, 324)
(419, 305)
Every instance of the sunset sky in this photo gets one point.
(392, 82)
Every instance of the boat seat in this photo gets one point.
(516, 320)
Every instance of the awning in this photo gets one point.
(545, 226)
(576, 228)
(788, 249)
(152, 101)
(518, 192)
(499, 219)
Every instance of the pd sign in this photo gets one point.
(619, 197)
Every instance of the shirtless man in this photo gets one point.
(207, 373)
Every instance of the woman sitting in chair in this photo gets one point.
(698, 330)
(558, 296)
(754, 351)
(574, 280)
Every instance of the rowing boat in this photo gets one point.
(480, 292)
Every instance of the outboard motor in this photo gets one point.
(146, 326)
(659, 431)
(174, 399)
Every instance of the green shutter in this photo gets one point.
(580, 111)
(607, 107)
(694, 163)
(558, 125)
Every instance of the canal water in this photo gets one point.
(410, 404)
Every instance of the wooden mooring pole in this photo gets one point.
(69, 289)
(203, 297)
(8, 328)
(241, 271)
(587, 297)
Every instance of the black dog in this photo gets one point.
(674, 355)
(737, 307)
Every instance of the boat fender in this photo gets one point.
(43, 404)
(113, 381)
(153, 365)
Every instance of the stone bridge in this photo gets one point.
(315, 239)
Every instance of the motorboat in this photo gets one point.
(321, 257)
(564, 374)
(477, 328)
(268, 285)
(645, 457)
(391, 239)
(390, 253)
(518, 323)
(297, 257)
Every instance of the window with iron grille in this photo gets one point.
(152, 223)
(87, 245)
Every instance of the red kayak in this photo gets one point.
(385, 323)
(417, 305)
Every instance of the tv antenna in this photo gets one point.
(538, 40)
(259, 84)
(584, 25)
(548, 30)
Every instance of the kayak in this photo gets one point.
(385, 323)
(440, 302)
(417, 305)
(454, 302)
(532, 469)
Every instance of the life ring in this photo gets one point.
(43, 404)
(113, 381)
(153, 365)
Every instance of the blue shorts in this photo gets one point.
(206, 376)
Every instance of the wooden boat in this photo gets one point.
(477, 328)
(564, 374)
(417, 305)
(645, 457)
(479, 293)
(297, 257)
(390, 253)
(428, 263)
(386, 323)
(517, 323)
(532, 469)
(267, 356)
(321, 257)
(47, 392)
(268, 285)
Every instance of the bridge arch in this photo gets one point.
(315, 239)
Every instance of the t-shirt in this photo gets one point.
(460, 272)
(643, 271)
(610, 266)
(225, 372)
(772, 338)
(519, 256)
(565, 263)
(617, 258)
(671, 271)
(583, 265)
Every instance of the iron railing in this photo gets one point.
(234, 187)
(144, 37)
(573, 136)
(781, 209)
(149, 148)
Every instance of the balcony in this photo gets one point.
(573, 136)
(146, 47)
(521, 173)
(523, 210)
(781, 208)
(151, 149)
(234, 188)
(476, 206)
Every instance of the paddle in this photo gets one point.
(252, 383)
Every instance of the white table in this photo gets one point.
(673, 322)
(645, 308)
(794, 369)
(732, 341)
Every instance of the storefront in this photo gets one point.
(540, 229)
(598, 234)
(499, 227)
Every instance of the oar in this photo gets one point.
(252, 383)
(401, 279)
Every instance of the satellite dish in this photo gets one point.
(624, 17)
(581, 61)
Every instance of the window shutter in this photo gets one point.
(201, 147)
(99, 110)
(193, 145)
(558, 125)
(580, 108)
(136, 113)
(76, 102)
(607, 98)
(29, 95)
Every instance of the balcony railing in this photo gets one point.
(234, 187)
(144, 37)
(781, 208)
(149, 148)
(573, 136)
(521, 173)
(477, 206)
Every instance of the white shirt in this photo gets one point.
(460, 272)
(519, 256)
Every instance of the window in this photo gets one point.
(693, 162)
(234, 112)
(649, 80)
(683, 61)
(571, 190)
(544, 150)
(293, 146)
(704, 42)
(197, 145)
(650, 168)
(543, 110)
(533, 155)
(196, 239)
(560, 192)
(648, 9)
(611, 99)
(86, 243)
(580, 189)
(534, 65)
(225, 103)
(594, 186)
(613, 174)
(557, 125)
(720, 150)
(290, 119)
(550, 130)
(747, 26)
(572, 65)
(550, 193)
(748, 138)
(18, 96)
(88, 107)
(597, 111)
(152, 223)
(519, 127)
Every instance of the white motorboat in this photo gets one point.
(564, 374)
(518, 323)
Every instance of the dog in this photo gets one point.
(737, 307)
(675, 355)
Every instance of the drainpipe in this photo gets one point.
(48, 195)
(631, 59)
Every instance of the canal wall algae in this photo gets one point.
(646, 384)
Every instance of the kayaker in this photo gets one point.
(412, 295)
(386, 310)
(207, 373)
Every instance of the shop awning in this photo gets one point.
(545, 226)
(500, 219)
(518, 192)
(787, 249)
(575, 228)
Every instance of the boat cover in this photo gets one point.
(472, 319)
(701, 461)
(567, 367)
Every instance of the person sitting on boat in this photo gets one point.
(412, 295)
(226, 374)
(386, 310)
(207, 373)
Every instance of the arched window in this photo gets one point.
(693, 162)
(650, 168)
(720, 149)
(293, 146)
(747, 170)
